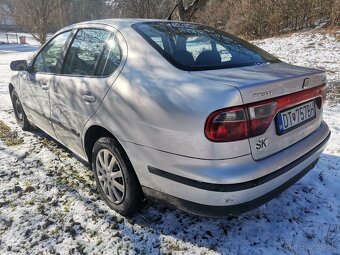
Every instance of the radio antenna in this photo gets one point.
(169, 17)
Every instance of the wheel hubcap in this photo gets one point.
(110, 176)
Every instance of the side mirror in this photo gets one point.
(19, 65)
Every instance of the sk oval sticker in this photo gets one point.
(261, 144)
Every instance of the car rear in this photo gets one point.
(282, 105)
(280, 116)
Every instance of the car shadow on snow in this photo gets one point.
(290, 221)
(301, 219)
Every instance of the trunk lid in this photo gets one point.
(267, 81)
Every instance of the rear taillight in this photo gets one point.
(227, 125)
(323, 91)
(242, 122)
(260, 117)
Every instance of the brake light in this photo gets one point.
(323, 91)
(260, 117)
(227, 125)
(242, 122)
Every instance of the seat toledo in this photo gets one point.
(175, 112)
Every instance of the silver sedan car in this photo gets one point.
(174, 112)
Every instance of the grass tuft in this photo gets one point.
(9, 137)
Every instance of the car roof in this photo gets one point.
(118, 23)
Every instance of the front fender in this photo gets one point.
(14, 83)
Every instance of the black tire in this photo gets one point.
(132, 199)
(19, 112)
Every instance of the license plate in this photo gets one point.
(294, 117)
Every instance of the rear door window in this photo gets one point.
(110, 58)
(85, 51)
(93, 52)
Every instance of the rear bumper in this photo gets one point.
(223, 193)
(223, 211)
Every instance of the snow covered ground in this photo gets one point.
(49, 204)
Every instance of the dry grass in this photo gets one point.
(332, 31)
(9, 137)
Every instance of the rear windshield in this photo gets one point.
(196, 47)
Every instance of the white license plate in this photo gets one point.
(294, 117)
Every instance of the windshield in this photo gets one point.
(197, 47)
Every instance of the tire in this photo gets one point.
(19, 112)
(122, 192)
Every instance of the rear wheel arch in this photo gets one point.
(98, 138)
(92, 135)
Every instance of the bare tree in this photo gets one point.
(140, 8)
(187, 10)
(35, 16)
(335, 14)
(250, 18)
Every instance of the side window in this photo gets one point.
(47, 59)
(85, 51)
(110, 58)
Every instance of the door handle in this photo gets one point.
(44, 86)
(88, 97)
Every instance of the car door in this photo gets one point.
(36, 81)
(91, 65)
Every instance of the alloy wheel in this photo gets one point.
(110, 176)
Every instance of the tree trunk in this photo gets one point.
(188, 13)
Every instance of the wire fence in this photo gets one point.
(8, 38)
(17, 38)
